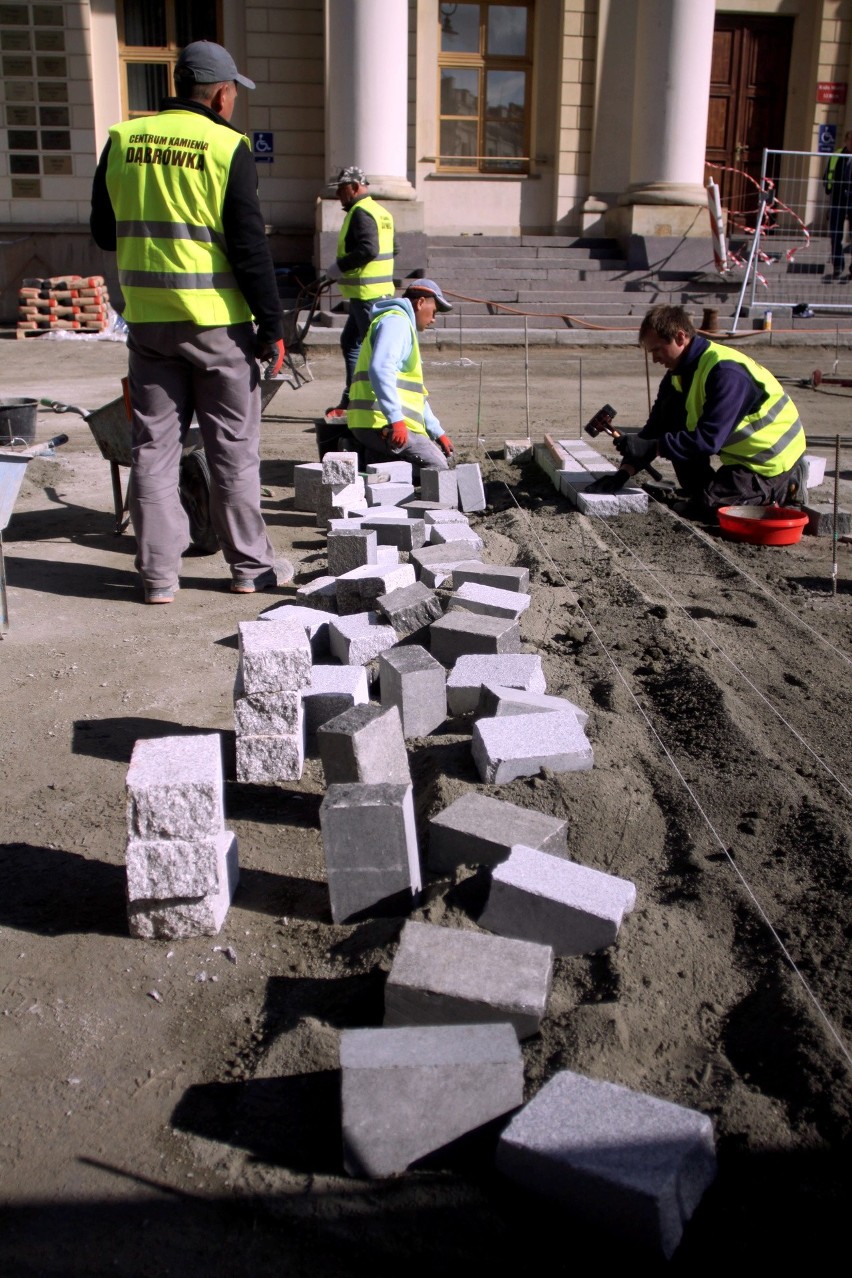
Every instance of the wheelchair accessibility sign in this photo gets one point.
(827, 138)
(263, 147)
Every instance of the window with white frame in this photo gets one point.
(485, 70)
(151, 34)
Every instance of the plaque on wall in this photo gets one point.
(52, 92)
(52, 41)
(16, 116)
(26, 189)
(17, 66)
(11, 41)
(46, 15)
(56, 165)
(55, 140)
(53, 117)
(23, 164)
(15, 15)
(55, 67)
(20, 91)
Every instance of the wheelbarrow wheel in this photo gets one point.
(194, 488)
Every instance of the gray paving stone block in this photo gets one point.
(535, 896)
(417, 508)
(450, 976)
(184, 917)
(439, 485)
(386, 555)
(436, 575)
(314, 620)
(333, 690)
(479, 830)
(335, 501)
(604, 505)
(275, 656)
(498, 575)
(441, 534)
(364, 744)
(370, 841)
(174, 787)
(359, 638)
(489, 601)
(340, 469)
(444, 515)
(518, 746)
(517, 450)
(407, 1092)
(319, 593)
(416, 684)
(821, 519)
(358, 589)
(410, 608)
(399, 471)
(402, 532)
(307, 481)
(496, 701)
(350, 548)
(265, 760)
(388, 494)
(346, 525)
(451, 552)
(462, 633)
(160, 869)
(512, 670)
(470, 486)
(633, 1164)
(266, 713)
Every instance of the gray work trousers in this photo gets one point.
(176, 370)
(420, 450)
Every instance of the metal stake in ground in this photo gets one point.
(527, 371)
(835, 515)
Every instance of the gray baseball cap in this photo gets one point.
(208, 63)
(431, 288)
(350, 174)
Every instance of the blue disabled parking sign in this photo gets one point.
(827, 138)
(263, 147)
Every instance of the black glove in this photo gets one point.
(612, 482)
(638, 452)
(620, 442)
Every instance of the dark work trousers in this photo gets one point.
(419, 449)
(737, 485)
(357, 323)
(176, 370)
(838, 215)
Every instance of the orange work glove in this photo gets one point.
(446, 444)
(398, 434)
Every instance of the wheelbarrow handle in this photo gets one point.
(63, 408)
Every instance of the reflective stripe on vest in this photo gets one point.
(374, 280)
(167, 175)
(769, 441)
(364, 412)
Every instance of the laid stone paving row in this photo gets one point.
(408, 604)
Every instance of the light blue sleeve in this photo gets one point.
(433, 427)
(392, 343)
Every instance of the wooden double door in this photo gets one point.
(748, 103)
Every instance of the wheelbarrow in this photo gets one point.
(14, 460)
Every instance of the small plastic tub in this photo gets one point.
(763, 525)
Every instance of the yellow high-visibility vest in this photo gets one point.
(364, 412)
(166, 176)
(374, 280)
(769, 441)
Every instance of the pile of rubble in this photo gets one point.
(408, 626)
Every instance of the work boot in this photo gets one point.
(797, 489)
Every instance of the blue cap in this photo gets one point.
(208, 63)
(431, 288)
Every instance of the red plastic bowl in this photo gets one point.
(763, 525)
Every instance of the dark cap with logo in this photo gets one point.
(208, 63)
(428, 287)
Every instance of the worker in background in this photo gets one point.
(837, 181)
(389, 413)
(363, 268)
(175, 196)
(714, 400)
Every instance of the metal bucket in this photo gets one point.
(18, 420)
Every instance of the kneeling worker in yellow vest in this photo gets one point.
(389, 411)
(714, 400)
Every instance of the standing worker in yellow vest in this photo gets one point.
(175, 196)
(714, 400)
(363, 268)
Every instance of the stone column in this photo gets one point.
(674, 49)
(366, 118)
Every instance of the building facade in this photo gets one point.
(568, 117)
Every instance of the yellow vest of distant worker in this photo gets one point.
(364, 412)
(376, 278)
(166, 177)
(769, 441)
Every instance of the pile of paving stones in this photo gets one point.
(409, 605)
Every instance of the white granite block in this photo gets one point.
(174, 787)
(314, 620)
(307, 481)
(633, 1165)
(489, 600)
(359, 638)
(339, 469)
(399, 472)
(470, 486)
(184, 917)
(165, 868)
(513, 670)
(264, 760)
(495, 701)
(815, 470)
(358, 589)
(266, 713)
(521, 745)
(535, 896)
(332, 690)
(321, 593)
(498, 575)
(275, 656)
(441, 534)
